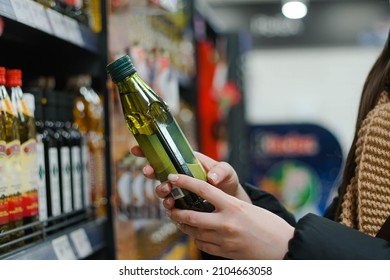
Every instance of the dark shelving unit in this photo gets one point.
(40, 49)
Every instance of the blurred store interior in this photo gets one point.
(274, 94)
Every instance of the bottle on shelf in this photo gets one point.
(73, 137)
(13, 164)
(4, 215)
(34, 101)
(28, 155)
(49, 139)
(157, 132)
(88, 119)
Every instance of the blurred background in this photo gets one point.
(270, 86)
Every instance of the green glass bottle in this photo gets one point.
(157, 132)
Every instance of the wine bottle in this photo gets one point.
(157, 132)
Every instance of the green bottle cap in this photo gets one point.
(121, 68)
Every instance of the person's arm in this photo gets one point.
(319, 238)
(269, 202)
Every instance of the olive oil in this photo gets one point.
(157, 132)
(4, 215)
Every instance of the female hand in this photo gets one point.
(219, 174)
(236, 229)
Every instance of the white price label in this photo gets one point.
(63, 249)
(57, 23)
(23, 12)
(39, 17)
(81, 243)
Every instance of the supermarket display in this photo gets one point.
(46, 209)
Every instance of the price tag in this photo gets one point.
(57, 24)
(39, 16)
(81, 243)
(73, 30)
(22, 12)
(63, 249)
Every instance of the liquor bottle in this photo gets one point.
(157, 132)
(13, 166)
(4, 216)
(97, 145)
(73, 138)
(28, 155)
(62, 137)
(87, 120)
(53, 190)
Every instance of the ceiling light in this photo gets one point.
(294, 9)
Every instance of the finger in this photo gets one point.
(136, 150)
(213, 195)
(148, 172)
(169, 203)
(163, 190)
(193, 218)
(222, 172)
(205, 235)
(206, 161)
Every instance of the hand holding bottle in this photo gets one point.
(220, 174)
(236, 229)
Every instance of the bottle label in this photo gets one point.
(66, 179)
(42, 196)
(29, 167)
(55, 198)
(4, 217)
(14, 184)
(177, 192)
(76, 172)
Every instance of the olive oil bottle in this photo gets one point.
(13, 166)
(4, 216)
(28, 149)
(157, 132)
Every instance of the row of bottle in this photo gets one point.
(86, 12)
(49, 167)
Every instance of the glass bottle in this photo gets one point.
(49, 138)
(4, 216)
(28, 151)
(13, 166)
(157, 132)
(34, 101)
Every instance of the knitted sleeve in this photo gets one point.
(366, 203)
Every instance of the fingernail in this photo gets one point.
(173, 177)
(165, 188)
(144, 170)
(214, 177)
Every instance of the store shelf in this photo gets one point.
(79, 241)
(38, 24)
(44, 43)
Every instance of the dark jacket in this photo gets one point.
(321, 238)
